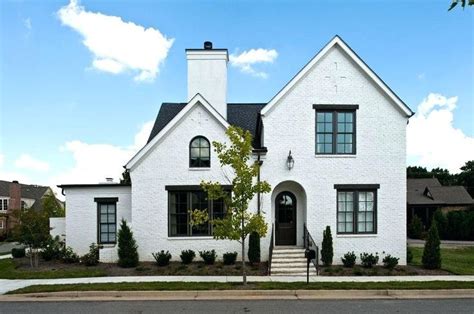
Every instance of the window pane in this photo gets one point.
(341, 227)
(111, 228)
(103, 208)
(370, 217)
(320, 117)
(205, 152)
(103, 218)
(370, 196)
(328, 116)
(320, 138)
(103, 237)
(340, 148)
(320, 127)
(328, 127)
(361, 206)
(348, 148)
(349, 227)
(340, 117)
(328, 148)
(362, 196)
(349, 117)
(320, 148)
(348, 138)
(328, 138)
(349, 128)
(340, 138)
(361, 217)
(341, 217)
(194, 152)
(361, 227)
(349, 206)
(370, 206)
(349, 217)
(369, 227)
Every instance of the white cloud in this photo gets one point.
(117, 45)
(421, 76)
(29, 163)
(432, 139)
(248, 59)
(27, 23)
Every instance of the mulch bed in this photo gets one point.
(408, 270)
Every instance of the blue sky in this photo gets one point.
(59, 112)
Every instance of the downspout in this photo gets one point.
(258, 181)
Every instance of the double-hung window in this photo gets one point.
(181, 201)
(107, 220)
(3, 204)
(335, 129)
(357, 209)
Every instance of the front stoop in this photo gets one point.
(290, 261)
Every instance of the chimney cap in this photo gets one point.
(208, 45)
(15, 181)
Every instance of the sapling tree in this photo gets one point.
(239, 221)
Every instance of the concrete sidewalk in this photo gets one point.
(7, 285)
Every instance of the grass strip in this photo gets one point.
(183, 286)
(459, 261)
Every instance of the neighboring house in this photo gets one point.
(425, 196)
(332, 143)
(15, 195)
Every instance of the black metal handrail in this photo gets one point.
(270, 252)
(309, 243)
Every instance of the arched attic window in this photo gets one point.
(199, 153)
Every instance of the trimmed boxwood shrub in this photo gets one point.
(209, 257)
(229, 258)
(369, 260)
(18, 252)
(187, 256)
(390, 261)
(162, 258)
(349, 259)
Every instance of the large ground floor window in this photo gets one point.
(181, 202)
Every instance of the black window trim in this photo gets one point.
(187, 189)
(336, 109)
(356, 188)
(106, 200)
(209, 143)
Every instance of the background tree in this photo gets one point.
(327, 251)
(466, 177)
(443, 176)
(431, 258)
(127, 247)
(238, 222)
(31, 230)
(463, 3)
(418, 172)
(52, 206)
(125, 177)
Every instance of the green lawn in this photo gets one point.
(8, 271)
(458, 261)
(175, 286)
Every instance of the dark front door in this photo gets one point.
(285, 209)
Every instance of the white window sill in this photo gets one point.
(200, 169)
(356, 235)
(190, 238)
(335, 156)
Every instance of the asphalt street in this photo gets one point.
(246, 306)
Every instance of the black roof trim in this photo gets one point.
(356, 186)
(106, 199)
(93, 185)
(335, 107)
(202, 49)
(191, 187)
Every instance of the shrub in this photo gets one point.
(431, 258)
(460, 225)
(229, 258)
(349, 259)
(369, 260)
(254, 248)
(415, 228)
(209, 257)
(127, 247)
(91, 258)
(390, 261)
(52, 249)
(18, 252)
(187, 256)
(162, 258)
(327, 251)
(409, 255)
(68, 256)
(441, 223)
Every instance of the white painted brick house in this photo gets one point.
(344, 127)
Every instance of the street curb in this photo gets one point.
(239, 295)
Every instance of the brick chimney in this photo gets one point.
(15, 196)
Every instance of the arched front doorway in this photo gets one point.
(285, 218)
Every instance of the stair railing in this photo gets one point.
(270, 251)
(309, 243)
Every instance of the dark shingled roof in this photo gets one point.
(431, 192)
(35, 192)
(238, 114)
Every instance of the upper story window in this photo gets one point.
(3, 204)
(199, 153)
(335, 129)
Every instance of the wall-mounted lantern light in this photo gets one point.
(290, 162)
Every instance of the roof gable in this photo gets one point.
(195, 101)
(356, 59)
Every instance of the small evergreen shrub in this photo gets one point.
(441, 223)
(91, 258)
(68, 256)
(349, 259)
(327, 251)
(209, 257)
(162, 258)
(18, 252)
(415, 228)
(431, 258)
(127, 247)
(52, 249)
(390, 262)
(409, 255)
(254, 248)
(369, 260)
(229, 258)
(187, 256)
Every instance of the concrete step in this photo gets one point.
(296, 254)
(288, 264)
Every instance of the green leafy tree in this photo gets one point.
(327, 251)
(238, 222)
(418, 172)
(52, 206)
(443, 176)
(127, 247)
(125, 178)
(454, 3)
(466, 177)
(32, 230)
(431, 258)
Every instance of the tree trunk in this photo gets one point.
(31, 256)
(244, 273)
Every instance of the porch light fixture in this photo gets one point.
(290, 162)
